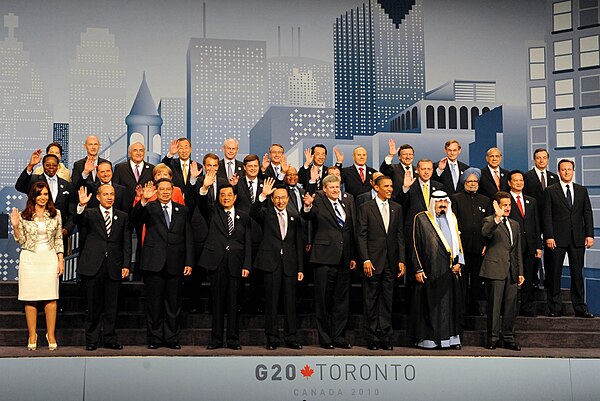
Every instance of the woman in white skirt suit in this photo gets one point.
(38, 230)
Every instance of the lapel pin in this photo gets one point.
(526, 201)
(291, 218)
(176, 209)
(483, 210)
(62, 186)
(237, 216)
(501, 174)
(114, 218)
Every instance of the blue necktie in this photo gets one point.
(338, 215)
(166, 212)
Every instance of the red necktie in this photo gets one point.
(497, 179)
(520, 204)
(362, 174)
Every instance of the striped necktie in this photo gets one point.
(338, 215)
(107, 222)
(229, 222)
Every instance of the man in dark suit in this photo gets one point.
(493, 177)
(60, 190)
(227, 256)
(314, 158)
(449, 170)
(381, 247)
(524, 211)
(356, 178)
(568, 226)
(416, 193)
(470, 207)
(229, 165)
(104, 175)
(167, 256)
(130, 174)
(181, 168)
(274, 163)
(406, 156)
(502, 270)
(332, 256)
(84, 170)
(367, 196)
(280, 257)
(536, 181)
(134, 171)
(103, 263)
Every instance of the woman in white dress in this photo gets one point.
(38, 230)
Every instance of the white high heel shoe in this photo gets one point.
(30, 346)
(51, 346)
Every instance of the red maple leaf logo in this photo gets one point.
(307, 371)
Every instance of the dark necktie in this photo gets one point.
(229, 222)
(251, 190)
(166, 212)
(505, 222)
(107, 222)
(543, 181)
(569, 197)
(338, 215)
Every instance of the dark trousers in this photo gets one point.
(473, 283)
(102, 296)
(529, 272)
(576, 254)
(224, 292)
(275, 283)
(502, 300)
(163, 306)
(378, 291)
(332, 298)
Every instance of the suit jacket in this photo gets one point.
(446, 177)
(221, 250)
(487, 185)
(77, 179)
(531, 233)
(470, 209)
(63, 200)
(273, 250)
(533, 186)
(363, 198)
(186, 188)
(165, 246)
(243, 200)
(332, 245)
(352, 182)
(413, 202)
(396, 173)
(123, 175)
(123, 200)
(560, 222)
(501, 258)
(98, 247)
(237, 169)
(374, 243)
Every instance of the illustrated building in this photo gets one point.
(172, 111)
(144, 123)
(379, 64)
(226, 92)
(25, 114)
(282, 70)
(60, 134)
(97, 92)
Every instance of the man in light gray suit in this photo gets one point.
(502, 269)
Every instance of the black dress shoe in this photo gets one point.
(343, 345)
(271, 346)
(327, 346)
(456, 346)
(234, 346)
(292, 345)
(91, 347)
(492, 345)
(586, 315)
(153, 346)
(214, 346)
(173, 345)
(512, 346)
(373, 346)
(115, 346)
(386, 346)
(528, 314)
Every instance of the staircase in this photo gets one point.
(561, 332)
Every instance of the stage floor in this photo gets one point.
(201, 351)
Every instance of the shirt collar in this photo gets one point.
(103, 210)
